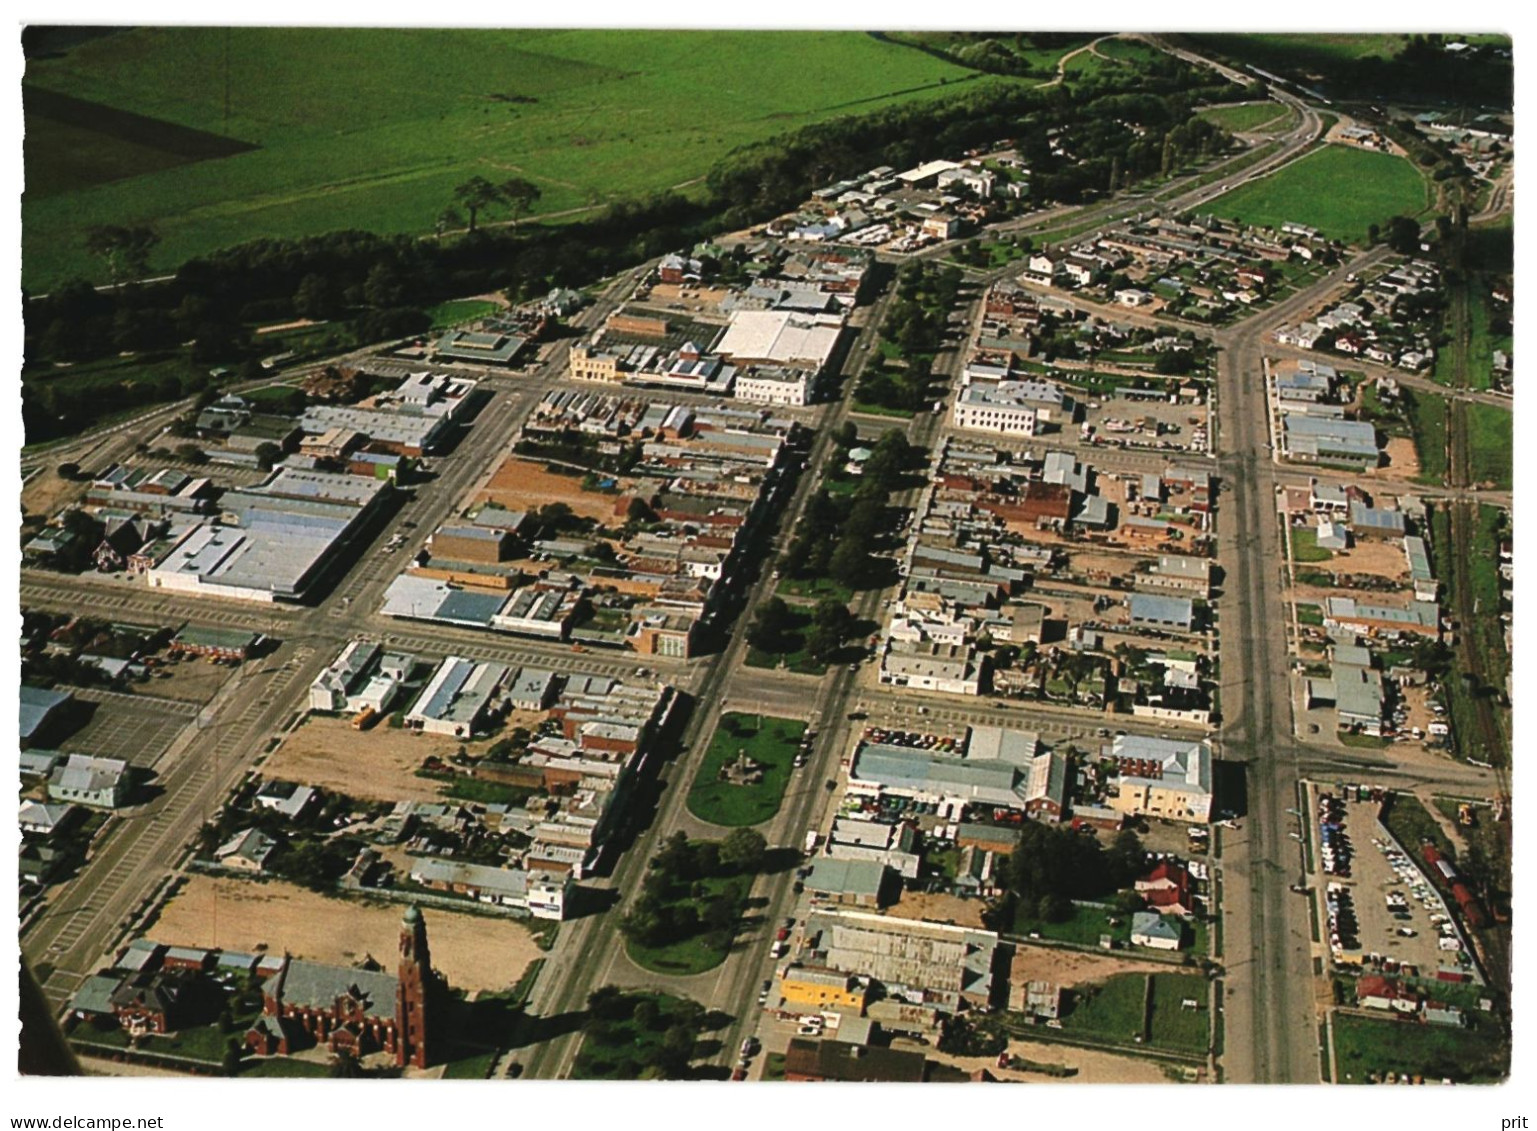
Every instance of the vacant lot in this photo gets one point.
(1365, 1046)
(1339, 191)
(1070, 968)
(522, 484)
(764, 739)
(1489, 445)
(1378, 557)
(379, 765)
(380, 142)
(471, 951)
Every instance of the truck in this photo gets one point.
(813, 838)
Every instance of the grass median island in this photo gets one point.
(1338, 190)
(770, 742)
(640, 1036)
(691, 903)
(1246, 117)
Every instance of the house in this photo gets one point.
(153, 1003)
(285, 797)
(1152, 930)
(1167, 889)
(100, 783)
(46, 820)
(246, 851)
(1373, 991)
(1332, 535)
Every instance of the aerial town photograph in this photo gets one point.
(745, 556)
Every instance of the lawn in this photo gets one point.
(1114, 1009)
(1246, 117)
(1084, 927)
(814, 588)
(1339, 191)
(1364, 1046)
(1489, 444)
(284, 1067)
(379, 143)
(765, 739)
(1172, 1026)
(455, 311)
(1305, 546)
(1310, 614)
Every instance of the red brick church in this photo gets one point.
(355, 1010)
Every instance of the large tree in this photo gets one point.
(520, 196)
(124, 250)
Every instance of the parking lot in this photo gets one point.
(137, 732)
(1399, 915)
(1156, 424)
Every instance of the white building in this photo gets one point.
(1000, 409)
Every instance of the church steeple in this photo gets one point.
(417, 984)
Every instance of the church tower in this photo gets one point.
(415, 994)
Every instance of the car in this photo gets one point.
(739, 1073)
(1407, 932)
(854, 667)
(809, 1031)
(768, 984)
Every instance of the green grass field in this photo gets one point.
(1084, 926)
(1489, 444)
(766, 739)
(1248, 117)
(1172, 1026)
(1305, 546)
(372, 128)
(1365, 1045)
(1339, 191)
(455, 311)
(1427, 421)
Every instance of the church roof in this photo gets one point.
(312, 985)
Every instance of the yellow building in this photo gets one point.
(816, 987)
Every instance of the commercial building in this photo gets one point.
(542, 894)
(100, 783)
(275, 539)
(363, 677)
(459, 698)
(949, 968)
(1160, 777)
(815, 988)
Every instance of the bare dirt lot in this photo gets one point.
(471, 951)
(1092, 1067)
(1070, 967)
(1368, 555)
(376, 765)
(192, 679)
(1402, 463)
(520, 484)
(938, 908)
(45, 494)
